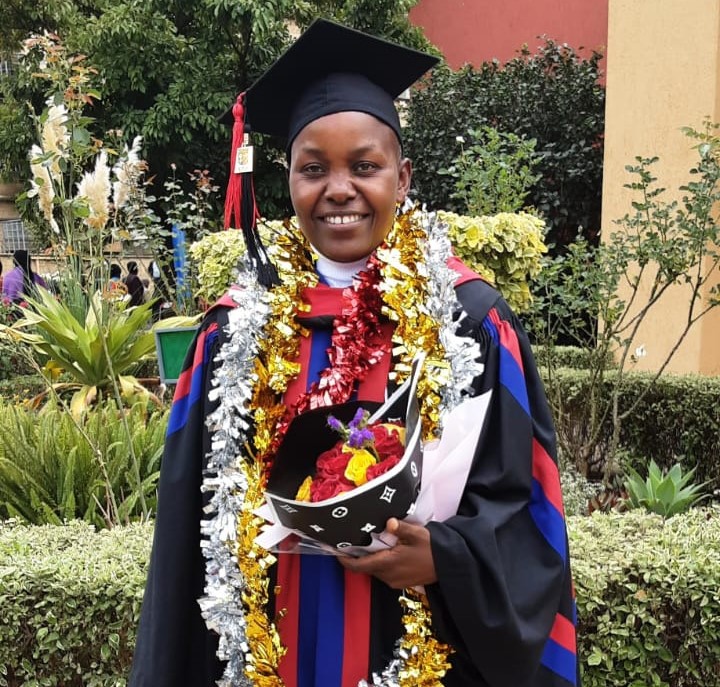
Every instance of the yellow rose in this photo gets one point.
(357, 466)
(303, 493)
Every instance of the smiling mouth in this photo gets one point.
(339, 220)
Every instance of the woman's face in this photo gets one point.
(346, 176)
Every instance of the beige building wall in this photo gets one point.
(662, 74)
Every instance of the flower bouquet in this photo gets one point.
(365, 452)
(336, 494)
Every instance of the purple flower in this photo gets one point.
(360, 419)
(359, 437)
(335, 424)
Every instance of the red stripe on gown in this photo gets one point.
(326, 301)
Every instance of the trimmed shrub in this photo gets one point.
(71, 602)
(648, 596)
(677, 421)
(566, 356)
(216, 258)
(577, 491)
(505, 249)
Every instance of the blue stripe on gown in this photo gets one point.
(322, 586)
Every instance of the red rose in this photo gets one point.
(381, 468)
(387, 442)
(332, 462)
(323, 488)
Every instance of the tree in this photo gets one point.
(170, 68)
(553, 96)
(661, 245)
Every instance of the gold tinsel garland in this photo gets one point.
(404, 291)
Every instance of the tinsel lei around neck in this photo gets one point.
(409, 281)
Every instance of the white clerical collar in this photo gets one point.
(338, 274)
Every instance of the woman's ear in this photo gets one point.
(404, 177)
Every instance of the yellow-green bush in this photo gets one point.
(648, 596)
(505, 249)
(216, 258)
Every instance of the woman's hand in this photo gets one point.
(408, 564)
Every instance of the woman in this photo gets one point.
(21, 280)
(134, 284)
(343, 322)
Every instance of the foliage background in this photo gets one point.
(648, 595)
(553, 96)
(171, 68)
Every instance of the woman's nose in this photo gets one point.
(340, 187)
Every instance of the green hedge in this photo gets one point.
(677, 421)
(70, 601)
(648, 594)
(565, 356)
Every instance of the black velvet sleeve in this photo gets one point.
(500, 581)
(174, 647)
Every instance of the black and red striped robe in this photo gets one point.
(504, 597)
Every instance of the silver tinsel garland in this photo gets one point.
(462, 352)
(233, 386)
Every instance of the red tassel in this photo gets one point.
(233, 198)
(241, 210)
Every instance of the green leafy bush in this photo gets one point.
(22, 387)
(506, 249)
(216, 258)
(567, 356)
(50, 472)
(71, 602)
(12, 362)
(577, 490)
(553, 96)
(648, 596)
(494, 172)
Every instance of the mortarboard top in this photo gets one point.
(331, 68)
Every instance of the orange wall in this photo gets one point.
(651, 94)
(476, 31)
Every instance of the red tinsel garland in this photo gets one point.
(356, 346)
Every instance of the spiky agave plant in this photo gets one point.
(664, 493)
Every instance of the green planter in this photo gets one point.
(172, 345)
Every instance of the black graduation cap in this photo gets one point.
(330, 68)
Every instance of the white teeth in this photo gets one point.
(342, 219)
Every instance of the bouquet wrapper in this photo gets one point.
(350, 523)
(447, 461)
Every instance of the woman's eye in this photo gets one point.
(313, 169)
(365, 167)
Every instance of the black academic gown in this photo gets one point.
(504, 580)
